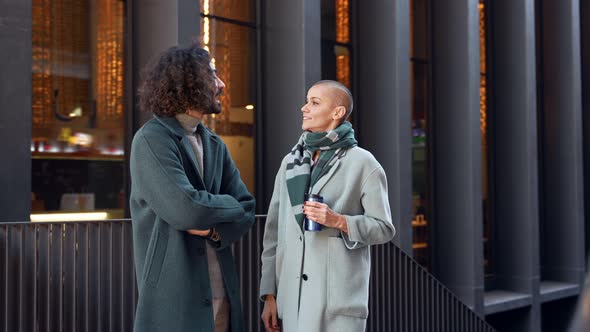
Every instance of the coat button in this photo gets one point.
(304, 277)
(200, 251)
(207, 302)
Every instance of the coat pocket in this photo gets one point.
(348, 279)
(156, 253)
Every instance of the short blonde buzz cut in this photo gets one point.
(344, 98)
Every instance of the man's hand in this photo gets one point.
(198, 232)
(321, 213)
(269, 314)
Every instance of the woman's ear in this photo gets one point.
(339, 112)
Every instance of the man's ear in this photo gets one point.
(339, 113)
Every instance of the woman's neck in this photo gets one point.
(316, 155)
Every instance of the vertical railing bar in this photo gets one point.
(20, 292)
(49, 276)
(48, 230)
(122, 278)
(36, 278)
(390, 286)
(99, 294)
(5, 272)
(86, 276)
(419, 313)
(61, 278)
(75, 277)
(111, 276)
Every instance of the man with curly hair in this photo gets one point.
(188, 203)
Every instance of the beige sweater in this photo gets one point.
(190, 124)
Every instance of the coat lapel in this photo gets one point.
(172, 124)
(188, 150)
(324, 179)
(211, 147)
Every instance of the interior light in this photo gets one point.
(77, 112)
(53, 217)
(249, 107)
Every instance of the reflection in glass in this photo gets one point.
(337, 43)
(341, 52)
(232, 48)
(483, 111)
(77, 105)
(240, 10)
(420, 67)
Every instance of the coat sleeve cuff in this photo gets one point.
(267, 288)
(352, 239)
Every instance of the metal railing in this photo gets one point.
(80, 277)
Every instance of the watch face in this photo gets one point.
(214, 235)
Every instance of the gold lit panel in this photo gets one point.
(343, 36)
(41, 64)
(59, 50)
(109, 60)
(77, 58)
(343, 69)
(230, 48)
(482, 64)
(342, 21)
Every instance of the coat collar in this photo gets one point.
(211, 147)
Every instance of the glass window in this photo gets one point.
(420, 73)
(232, 45)
(485, 151)
(77, 106)
(238, 10)
(337, 42)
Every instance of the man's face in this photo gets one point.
(219, 85)
(320, 110)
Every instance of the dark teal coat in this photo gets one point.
(168, 197)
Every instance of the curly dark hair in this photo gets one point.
(180, 79)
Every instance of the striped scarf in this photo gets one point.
(300, 175)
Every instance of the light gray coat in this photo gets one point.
(321, 279)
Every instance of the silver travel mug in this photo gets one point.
(308, 224)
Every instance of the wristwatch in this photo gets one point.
(213, 235)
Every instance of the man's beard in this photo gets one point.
(215, 107)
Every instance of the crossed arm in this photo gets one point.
(164, 185)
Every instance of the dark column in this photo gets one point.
(457, 226)
(514, 155)
(585, 38)
(562, 239)
(291, 62)
(152, 27)
(155, 26)
(15, 109)
(383, 104)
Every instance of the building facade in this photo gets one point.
(477, 110)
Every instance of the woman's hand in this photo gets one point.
(269, 314)
(198, 232)
(321, 213)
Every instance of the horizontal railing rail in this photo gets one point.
(79, 276)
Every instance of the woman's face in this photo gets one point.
(319, 113)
